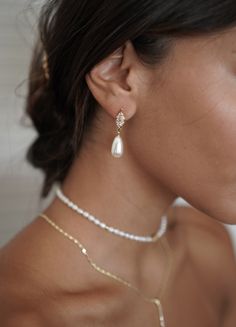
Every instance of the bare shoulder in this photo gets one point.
(40, 253)
(210, 248)
(24, 278)
(43, 284)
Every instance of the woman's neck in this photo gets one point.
(120, 194)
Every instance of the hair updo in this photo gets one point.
(76, 35)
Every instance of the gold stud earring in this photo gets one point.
(117, 148)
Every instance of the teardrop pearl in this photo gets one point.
(117, 148)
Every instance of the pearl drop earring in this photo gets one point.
(117, 148)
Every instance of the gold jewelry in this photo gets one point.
(117, 148)
(45, 65)
(155, 301)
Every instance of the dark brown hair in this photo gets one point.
(76, 35)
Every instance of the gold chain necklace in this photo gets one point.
(155, 301)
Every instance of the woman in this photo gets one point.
(134, 103)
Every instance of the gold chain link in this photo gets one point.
(156, 301)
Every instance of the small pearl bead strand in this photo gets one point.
(159, 233)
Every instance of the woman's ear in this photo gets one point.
(111, 85)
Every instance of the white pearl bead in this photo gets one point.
(162, 229)
(117, 148)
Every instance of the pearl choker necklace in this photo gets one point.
(159, 233)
